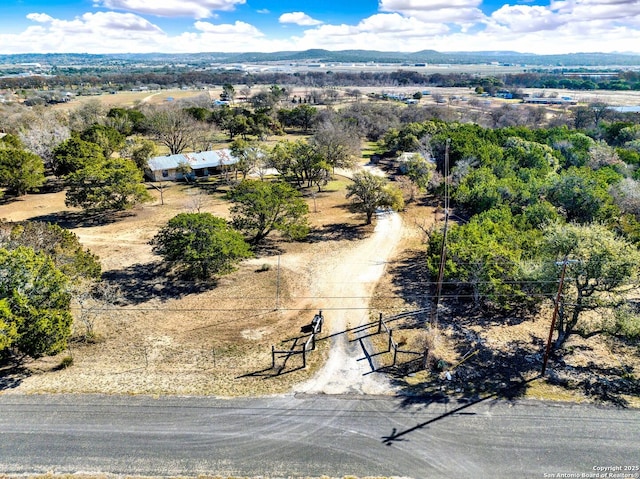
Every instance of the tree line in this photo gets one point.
(527, 200)
(614, 80)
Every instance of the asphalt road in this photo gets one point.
(313, 435)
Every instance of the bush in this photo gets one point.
(66, 362)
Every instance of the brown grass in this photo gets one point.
(176, 337)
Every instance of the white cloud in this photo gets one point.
(521, 18)
(563, 26)
(454, 11)
(383, 31)
(299, 18)
(171, 8)
(579, 17)
(39, 17)
(626, 11)
(237, 28)
(92, 32)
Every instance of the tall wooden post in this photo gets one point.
(443, 250)
(555, 315)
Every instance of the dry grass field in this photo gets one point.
(131, 98)
(168, 336)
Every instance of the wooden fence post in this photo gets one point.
(304, 355)
(380, 323)
(395, 354)
(273, 357)
(390, 340)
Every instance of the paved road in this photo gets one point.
(312, 435)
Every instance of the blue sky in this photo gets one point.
(182, 26)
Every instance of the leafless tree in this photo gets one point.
(45, 132)
(626, 196)
(338, 143)
(197, 202)
(86, 115)
(172, 127)
(599, 110)
(95, 300)
(601, 154)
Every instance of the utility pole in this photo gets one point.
(564, 264)
(443, 251)
(278, 285)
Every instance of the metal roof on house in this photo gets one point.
(197, 160)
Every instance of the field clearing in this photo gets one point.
(129, 99)
(177, 337)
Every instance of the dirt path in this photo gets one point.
(345, 282)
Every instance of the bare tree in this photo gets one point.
(44, 133)
(95, 300)
(160, 188)
(86, 115)
(626, 195)
(601, 154)
(197, 202)
(600, 110)
(337, 143)
(172, 127)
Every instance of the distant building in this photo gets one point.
(202, 163)
(549, 101)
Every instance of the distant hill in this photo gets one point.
(327, 56)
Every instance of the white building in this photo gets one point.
(202, 163)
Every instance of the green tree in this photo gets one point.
(107, 137)
(582, 194)
(10, 141)
(34, 303)
(478, 191)
(370, 192)
(536, 157)
(111, 185)
(301, 163)
(139, 150)
(201, 244)
(302, 116)
(486, 258)
(8, 327)
(603, 268)
(20, 171)
(228, 92)
(61, 245)
(419, 171)
(184, 171)
(127, 120)
(73, 154)
(260, 207)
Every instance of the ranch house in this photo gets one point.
(202, 163)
